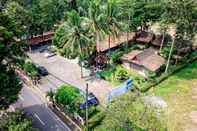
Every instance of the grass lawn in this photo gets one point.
(180, 92)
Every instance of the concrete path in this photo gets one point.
(68, 71)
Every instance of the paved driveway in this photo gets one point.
(68, 71)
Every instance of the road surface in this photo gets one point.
(63, 70)
(43, 118)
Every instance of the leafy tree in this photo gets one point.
(13, 9)
(183, 15)
(95, 21)
(129, 112)
(112, 14)
(73, 37)
(73, 5)
(10, 52)
(146, 11)
(44, 14)
(15, 121)
(10, 48)
(10, 86)
(69, 97)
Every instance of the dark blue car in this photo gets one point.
(92, 101)
(42, 71)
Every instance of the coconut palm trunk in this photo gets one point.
(109, 43)
(81, 67)
(128, 30)
(170, 54)
(162, 42)
(97, 42)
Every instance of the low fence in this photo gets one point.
(121, 89)
(73, 121)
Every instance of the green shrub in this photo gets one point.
(115, 57)
(107, 73)
(165, 52)
(121, 74)
(69, 97)
(30, 69)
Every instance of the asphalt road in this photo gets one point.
(43, 118)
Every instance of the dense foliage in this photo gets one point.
(30, 69)
(71, 36)
(15, 121)
(69, 97)
(10, 53)
(82, 24)
(131, 113)
(9, 86)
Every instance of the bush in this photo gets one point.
(121, 74)
(115, 57)
(30, 69)
(69, 97)
(15, 121)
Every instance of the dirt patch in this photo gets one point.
(193, 116)
(194, 97)
(191, 129)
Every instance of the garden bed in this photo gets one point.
(119, 74)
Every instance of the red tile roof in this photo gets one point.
(114, 42)
(147, 58)
(40, 38)
(144, 37)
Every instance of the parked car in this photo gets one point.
(92, 101)
(42, 50)
(49, 54)
(42, 71)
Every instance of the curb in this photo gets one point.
(42, 95)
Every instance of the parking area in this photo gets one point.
(62, 70)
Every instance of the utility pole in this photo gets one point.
(86, 106)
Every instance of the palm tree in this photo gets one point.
(127, 9)
(95, 21)
(112, 15)
(76, 39)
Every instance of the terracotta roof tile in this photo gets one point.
(147, 58)
(114, 42)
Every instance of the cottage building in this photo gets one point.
(143, 61)
(144, 37)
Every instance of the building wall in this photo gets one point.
(140, 69)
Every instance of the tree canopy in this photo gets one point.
(10, 52)
(69, 97)
(71, 36)
(15, 121)
(130, 112)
